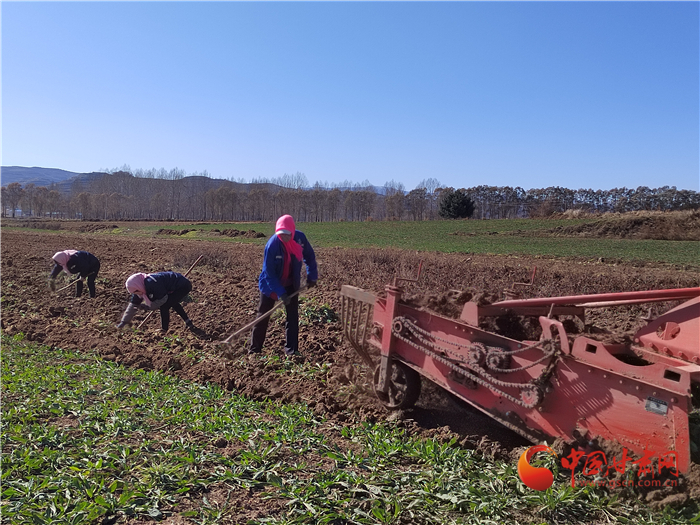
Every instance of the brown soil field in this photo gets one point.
(224, 298)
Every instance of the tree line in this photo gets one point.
(173, 195)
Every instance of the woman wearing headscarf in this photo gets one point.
(76, 262)
(280, 279)
(151, 291)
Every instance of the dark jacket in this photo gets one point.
(82, 262)
(270, 280)
(159, 288)
(159, 285)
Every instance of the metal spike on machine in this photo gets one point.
(564, 386)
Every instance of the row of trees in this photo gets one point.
(33, 200)
(163, 195)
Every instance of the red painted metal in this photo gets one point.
(647, 296)
(638, 395)
(676, 334)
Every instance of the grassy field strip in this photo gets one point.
(84, 439)
(480, 237)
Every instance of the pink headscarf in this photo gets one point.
(62, 258)
(285, 225)
(135, 285)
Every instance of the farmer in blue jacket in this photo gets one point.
(280, 278)
(74, 262)
(151, 291)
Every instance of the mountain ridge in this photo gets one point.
(34, 175)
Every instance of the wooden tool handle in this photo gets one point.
(256, 321)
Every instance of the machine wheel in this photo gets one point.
(404, 386)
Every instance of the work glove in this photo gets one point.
(52, 285)
(310, 284)
(285, 299)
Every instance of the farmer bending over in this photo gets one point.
(76, 262)
(280, 278)
(164, 290)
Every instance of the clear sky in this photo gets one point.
(532, 94)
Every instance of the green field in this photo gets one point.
(85, 440)
(514, 236)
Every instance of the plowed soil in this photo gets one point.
(225, 295)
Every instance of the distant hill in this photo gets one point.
(36, 176)
(65, 179)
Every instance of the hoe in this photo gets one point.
(572, 387)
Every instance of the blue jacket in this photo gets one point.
(270, 280)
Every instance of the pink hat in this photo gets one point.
(285, 225)
(135, 285)
(62, 258)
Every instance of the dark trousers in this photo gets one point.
(91, 276)
(174, 300)
(291, 327)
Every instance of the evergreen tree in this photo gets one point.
(455, 204)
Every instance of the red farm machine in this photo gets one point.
(577, 388)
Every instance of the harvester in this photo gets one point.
(563, 385)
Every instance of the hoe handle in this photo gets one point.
(185, 275)
(256, 321)
(69, 284)
(74, 281)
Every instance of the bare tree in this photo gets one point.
(417, 203)
(41, 200)
(234, 205)
(82, 205)
(28, 199)
(366, 202)
(54, 203)
(394, 199)
(175, 176)
(317, 199)
(13, 195)
(3, 200)
(430, 185)
(294, 182)
(333, 204)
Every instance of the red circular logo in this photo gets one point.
(537, 478)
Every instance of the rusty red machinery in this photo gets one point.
(573, 387)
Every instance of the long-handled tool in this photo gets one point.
(79, 278)
(250, 325)
(69, 284)
(185, 275)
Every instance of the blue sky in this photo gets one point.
(531, 94)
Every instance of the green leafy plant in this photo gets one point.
(311, 311)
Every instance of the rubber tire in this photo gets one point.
(403, 381)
